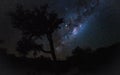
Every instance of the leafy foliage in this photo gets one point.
(35, 21)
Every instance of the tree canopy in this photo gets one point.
(35, 22)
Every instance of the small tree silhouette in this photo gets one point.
(35, 23)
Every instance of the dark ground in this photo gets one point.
(103, 61)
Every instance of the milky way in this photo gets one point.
(74, 24)
(79, 29)
(75, 14)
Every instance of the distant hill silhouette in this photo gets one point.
(89, 59)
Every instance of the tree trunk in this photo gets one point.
(49, 37)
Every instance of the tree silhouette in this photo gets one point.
(35, 23)
(25, 45)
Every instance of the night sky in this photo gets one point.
(99, 28)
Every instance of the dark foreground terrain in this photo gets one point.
(102, 61)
